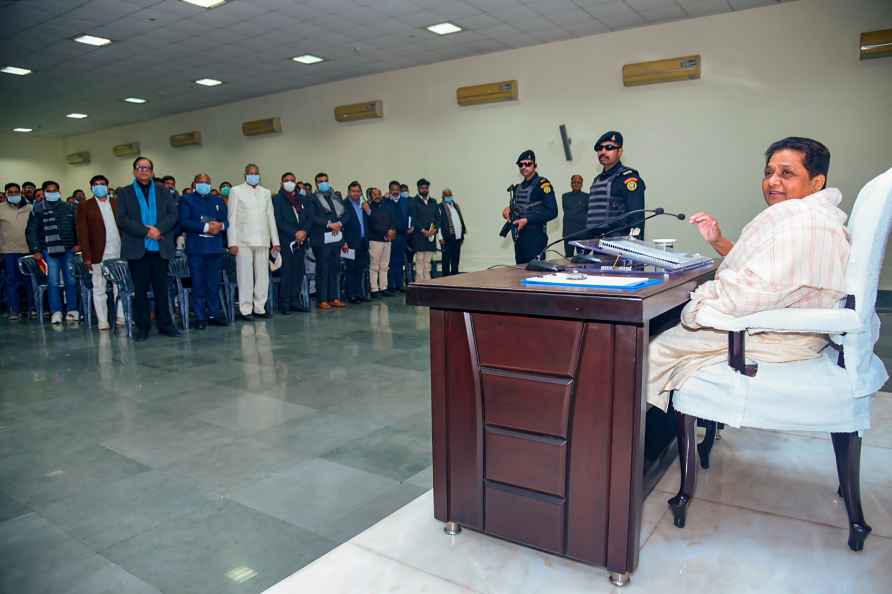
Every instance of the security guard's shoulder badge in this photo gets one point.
(631, 184)
(545, 185)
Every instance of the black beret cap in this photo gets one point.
(527, 155)
(612, 136)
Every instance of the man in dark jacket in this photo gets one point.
(382, 232)
(52, 236)
(326, 239)
(356, 237)
(400, 208)
(452, 232)
(147, 216)
(204, 220)
(425, 213)
(575, 207)
(293, 213)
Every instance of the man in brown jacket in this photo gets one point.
(97, 229)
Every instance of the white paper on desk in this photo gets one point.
(332, 237)
(590, 280)
(349, 255)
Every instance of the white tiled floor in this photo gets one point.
(766, 519)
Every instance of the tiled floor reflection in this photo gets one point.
(231, 458)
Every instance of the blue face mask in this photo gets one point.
(253, 179)
(324, 187)
(203, 188)
(404, 194)
(448, 199)
(302, 192)
(100, 190)
(52, 196)
(14, 199)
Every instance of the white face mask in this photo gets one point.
(289, 186)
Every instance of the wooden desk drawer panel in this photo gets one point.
(529, 518)
(531, 462)
(529, 403)
(522, 343)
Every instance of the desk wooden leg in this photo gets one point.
(619, 579)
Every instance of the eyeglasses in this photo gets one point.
(143, 168)
(525, 164)
(605, 147)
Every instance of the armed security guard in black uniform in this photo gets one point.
(532, 205)
(615, 192)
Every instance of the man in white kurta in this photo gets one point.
(252, 232)
(793, 254)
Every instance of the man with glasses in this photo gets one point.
(616, 191)
(147, 216)
(532, 205)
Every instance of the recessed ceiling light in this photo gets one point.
(208, 82)
(134, 100)
(444, 28)
(22, 129)
(308, 59)
(76, 116)
(15, 70)
(205, 3)
(92, 40)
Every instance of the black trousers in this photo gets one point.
(529, 243)
(451, 256)
(291, 277)
(150, 271)
(328, 262)
(356, 271)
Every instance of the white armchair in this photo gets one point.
(831, 393)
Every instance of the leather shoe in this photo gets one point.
(388, 293)
(244, 318)
(140, 335)
(338, 303)
(324, 305)
(172, 332)
(285, 312)
(217, 322)
(267, 314)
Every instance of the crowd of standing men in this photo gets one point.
(146, 222)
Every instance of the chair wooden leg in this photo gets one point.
(847, 447)
(705, 447)
(686, 434)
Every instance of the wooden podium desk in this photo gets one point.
(538, 408)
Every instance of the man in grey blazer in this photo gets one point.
(147, 215)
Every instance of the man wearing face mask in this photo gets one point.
(326, 238)
(14, 215)
(382, 232)
(533, 205)
(452, 233)
(170, 182)
(52, 236)
(399, 203)
(28, 189)
(252, 230)
(147, 216)
(293, 213)
(97, 228)
(203, 218)
(225, 188)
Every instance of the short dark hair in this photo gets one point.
(12, 185)
(167, 178)
(141, 158)
(423, 182)
(78, 190)
(286, 174)
(815, 156)
(404, 187)
(29, 183)
(354, 184)
(318, 175)
(226, 183)
(393, 183)
(97, 178)
(49, 182)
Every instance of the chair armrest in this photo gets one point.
(822, 321)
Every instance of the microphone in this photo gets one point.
(538, 264)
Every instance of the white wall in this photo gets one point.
(789, 69)
(28, 158)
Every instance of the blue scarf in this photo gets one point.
(148, 212)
